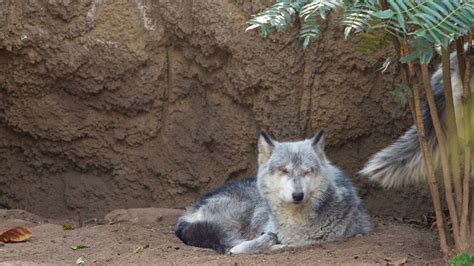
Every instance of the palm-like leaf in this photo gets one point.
(319, 8)
(356, 17)
(309, 29)
(439, 22)
(309, 15)
(424, 23)
(279, 16)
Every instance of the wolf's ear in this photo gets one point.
(318, 142)
(265, 148)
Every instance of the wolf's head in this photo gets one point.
(292, 172)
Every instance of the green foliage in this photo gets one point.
(358, 16)
(401, 94)
(424, 23)
(310, 13)
(421, 49)
(462, 259)
(309, 30)
(438, 22)
(373, 41)
(280, 16)
(68, 226)
(319, 8)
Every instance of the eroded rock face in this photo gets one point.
(136, 103)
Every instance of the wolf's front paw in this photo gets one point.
(239, 249)
(278, 246)
(251, 246)
(256, 245)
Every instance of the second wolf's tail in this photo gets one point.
(402, 162)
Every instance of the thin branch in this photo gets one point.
(452, 127)
(466, 100)
(403, 69)
(427, 157)
(460, 56)
(443, 152)
(472, 219)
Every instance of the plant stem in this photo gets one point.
(460, 56)
(443, 152)
(428, 159)
(472, 220)
(452, 128)
(403, 70)
(466, 100)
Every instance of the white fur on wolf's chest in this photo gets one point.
(295, 227)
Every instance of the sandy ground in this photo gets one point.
(112, 240)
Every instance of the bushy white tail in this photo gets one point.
(402, 162)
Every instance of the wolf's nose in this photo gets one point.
(297, 196)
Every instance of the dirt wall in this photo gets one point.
(136, 103)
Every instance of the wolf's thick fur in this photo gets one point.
(298, 198)
(402, 163)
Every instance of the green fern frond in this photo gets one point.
(356, 17)
(279, 16)
(309, 15)
(439, 22)
(426, 23)
(309, 29)
(319, 8)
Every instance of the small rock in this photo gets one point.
(90, 221)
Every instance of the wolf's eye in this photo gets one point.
(306, 172)
(283, 170)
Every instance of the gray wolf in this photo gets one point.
(298, 198)
(401, 163)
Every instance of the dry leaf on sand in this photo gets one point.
(80, 246)
(17, 234)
